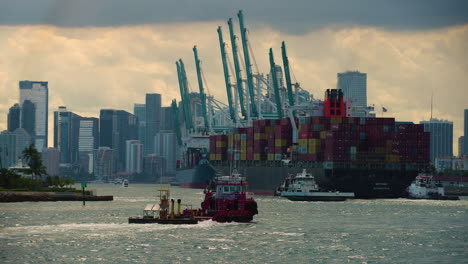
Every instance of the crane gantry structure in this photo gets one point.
(254, 95)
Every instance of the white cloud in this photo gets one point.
(93, 68)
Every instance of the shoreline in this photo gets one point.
(12, 197)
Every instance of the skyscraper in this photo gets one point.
(104, 163)
(153, 117)
(38, 94)
(7, 149)
(28, 118)
(461, 141)
(116, 127)
(88, 134)
(167, 119)
(465, 142)
(441, 137)
(354, 87)
(14, 118)
(66, 134)
(165, 146)
(139, 110)
(134, 156)
(51, 160)
(23, 140)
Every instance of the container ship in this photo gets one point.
(372, 157)
(271, 127)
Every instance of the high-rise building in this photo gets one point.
(28, 118)
(153, 167)
(23, 140)
(153, 118)
(465, 134)
(7, 149)
(51, 159)
(14, 115)
(441, 137)
(139, 110)
(134, 156)
(38, 94)
(88, 134)
(104, 163)
(165, 146)
(66, 135)
(354, 87)
(116, 127)
(167, 119)
(461, 141)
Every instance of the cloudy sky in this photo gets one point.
(108, 53)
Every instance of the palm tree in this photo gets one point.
(33, 159)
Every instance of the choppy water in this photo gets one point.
(355, 231)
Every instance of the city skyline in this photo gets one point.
(86, 66)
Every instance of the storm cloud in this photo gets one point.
(294, 17)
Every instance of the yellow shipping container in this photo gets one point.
(243, 156)
(230, 140)
(243, 143)
(256, 156)
(392, 158)
(314, 146)
(280, 142)
(220, 144)
(350, 120)
(269, 129)
(271, 156)
(323, 134)
(236, 136)
(302, 142)
(259, 136)
(336, 120)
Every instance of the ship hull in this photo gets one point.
(195, 178)
(364, 183)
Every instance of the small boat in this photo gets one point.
(125, 183)
(425, 187)
(226, 199)
(302, 187)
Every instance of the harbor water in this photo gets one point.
(354, 231)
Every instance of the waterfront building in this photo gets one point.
(153, 118)
(116, 127)
(465, 134)
(7, 149)
(441, 137)
(104, 163)
(458, 164)
(354, 87)
(51, 160)
(139, 110)
(134, 156)
(28, 118)
(13, 120)
(165, 146)
(38, 94)
(66, 135)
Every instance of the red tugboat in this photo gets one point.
(226, 199)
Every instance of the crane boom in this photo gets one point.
(183, 75)
(274, 78)
(200, 85)
(248, 66)
(226, 75)
(182, 94)
(240, 88)
(287, 74)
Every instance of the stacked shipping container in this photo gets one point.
(343, 139)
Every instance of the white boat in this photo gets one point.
(425, 187)
(125, 183)
(302, 187)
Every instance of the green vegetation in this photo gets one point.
(34, 161)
